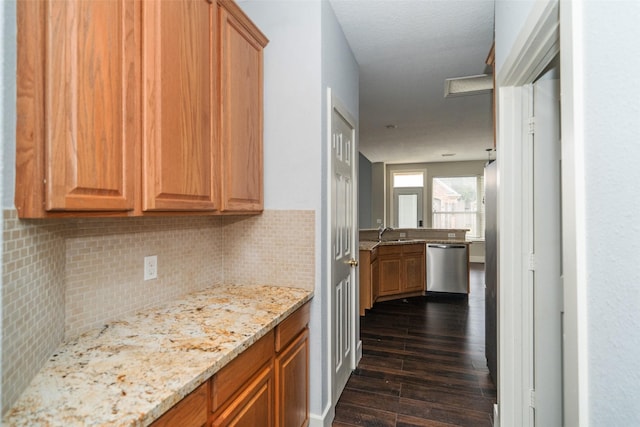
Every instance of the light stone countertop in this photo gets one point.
(132, 371)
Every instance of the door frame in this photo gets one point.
(537, 44)
(356, 344)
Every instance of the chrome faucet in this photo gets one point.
(382, 230)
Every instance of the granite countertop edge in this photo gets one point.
(121, 374)
(368, 245)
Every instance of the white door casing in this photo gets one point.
(344, 252)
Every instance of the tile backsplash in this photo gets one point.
(32, 299)
(62, 277)
(104, 265)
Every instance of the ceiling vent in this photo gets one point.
(471, 85)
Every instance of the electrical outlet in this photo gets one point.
(403, 235)
(451, 235)
(151, 267)
(378, 221)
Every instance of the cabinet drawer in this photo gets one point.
(413, 249)
(390, 250)
(291, 326)
(253, 406)
(236, 374)
(189, 412)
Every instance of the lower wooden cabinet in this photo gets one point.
(368, 279)
(414, 268)
(189, 412)
(253, 406)
(266, 385)
(402, 271)
(292, 383)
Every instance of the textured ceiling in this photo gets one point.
(406, 49)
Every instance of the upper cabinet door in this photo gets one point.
(241, 47)
(90, 103)
(179, 107)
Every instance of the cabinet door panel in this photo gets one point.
(390, 269)
(179, 112)
(241, 125)
(414, 270)
(91, 104)
(292, 383)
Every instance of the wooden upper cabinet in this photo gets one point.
(129, 107)
(180, 113)
(241, 45)
(77, 106)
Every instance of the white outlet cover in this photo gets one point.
(150, 267)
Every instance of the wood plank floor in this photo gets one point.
(423, 364)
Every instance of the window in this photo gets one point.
(405, 180)
(458, 202)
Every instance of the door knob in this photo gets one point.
(353, 262)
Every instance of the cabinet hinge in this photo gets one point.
(532, 125)
(562, 294)
(532, 261)
(532, 402)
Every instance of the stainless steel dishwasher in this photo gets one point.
(447, 268)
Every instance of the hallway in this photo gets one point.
(423, 364)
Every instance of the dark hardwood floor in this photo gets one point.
(423, 364)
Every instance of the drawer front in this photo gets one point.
(236, 374)
(189, 412)
(292, 326)
(390, 250)
(253, 406)
(413, 249)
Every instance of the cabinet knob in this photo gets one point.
(353, 262)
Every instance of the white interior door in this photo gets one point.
(547, 255)
(343, 251)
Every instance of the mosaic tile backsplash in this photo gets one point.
(62, 277)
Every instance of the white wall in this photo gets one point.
(307, 52)
(364, 193)
(7, 99)
(612, 152)
(7, 121)
(378, 192)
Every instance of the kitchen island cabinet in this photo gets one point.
(401, 271)
(369, 278)
(121, 112)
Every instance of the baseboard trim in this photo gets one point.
(323, 420)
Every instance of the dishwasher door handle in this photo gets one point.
(447, 246)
